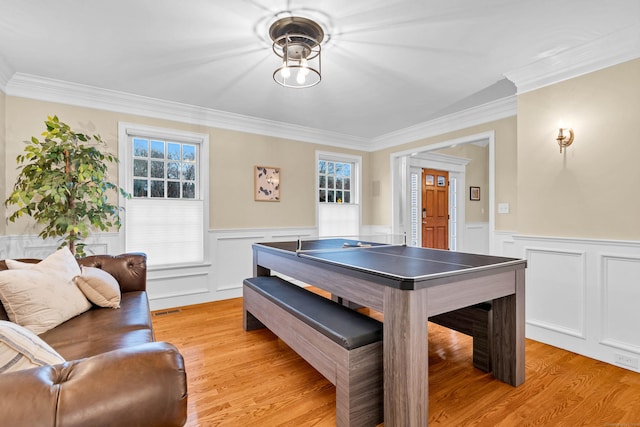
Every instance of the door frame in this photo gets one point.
(401, 186)
(456, 167)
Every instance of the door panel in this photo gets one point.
(435, 209)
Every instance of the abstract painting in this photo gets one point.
(267, 184)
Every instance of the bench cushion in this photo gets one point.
(342, 325)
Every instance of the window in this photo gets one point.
(338, 183)
(164, 170)
(334, 181)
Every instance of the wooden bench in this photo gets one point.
(476, 321)
(344, 345)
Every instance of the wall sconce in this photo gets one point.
(563, 139)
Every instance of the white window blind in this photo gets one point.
(169, 234)
(338, 220)
(453, 213)
(416, 218)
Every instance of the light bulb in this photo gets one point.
(300, 78)
(304, 66)
(285, 72)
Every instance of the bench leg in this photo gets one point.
(482, 332)
(250, 322)
(476, 322)
(359, 388)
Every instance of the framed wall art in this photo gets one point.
(474, 193)
(266, 184)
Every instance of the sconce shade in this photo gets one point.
(563, 139)
(296, 41)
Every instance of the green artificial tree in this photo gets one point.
(63, 186)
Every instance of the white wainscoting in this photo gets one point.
(582, 294)
(231, 261)
(34, 247)
(376, 231)
(476, 238)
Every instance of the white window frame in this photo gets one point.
(125, 174)
(356, 191)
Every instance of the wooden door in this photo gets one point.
(435, 209)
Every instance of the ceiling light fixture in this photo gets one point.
(297, 41)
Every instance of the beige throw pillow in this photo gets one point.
(12, 264)
(22, 349)
(100, 287)
(42, 296)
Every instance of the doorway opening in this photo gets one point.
(406, 174)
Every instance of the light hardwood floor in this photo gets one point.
(239, 378)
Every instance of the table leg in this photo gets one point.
(508, 340)
(406, 358)
(259, 270)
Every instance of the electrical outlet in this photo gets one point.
(631, 362)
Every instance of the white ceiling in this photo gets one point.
(388, 65)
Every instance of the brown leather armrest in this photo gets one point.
(139, 386)
(130, 269)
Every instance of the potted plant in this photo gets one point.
(63, 185)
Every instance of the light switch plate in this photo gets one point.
(503, 208)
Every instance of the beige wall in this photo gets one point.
(590, 191)
(505, 164)
(232, 158)
(476, 175)
(3, 169)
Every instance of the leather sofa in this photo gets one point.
(115, 374)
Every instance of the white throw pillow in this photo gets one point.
(42, 296)
(22, 349)
(100, 287)
(12, 264)
(60, 262)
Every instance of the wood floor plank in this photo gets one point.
(238, 378)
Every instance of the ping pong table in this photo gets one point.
(408, 285)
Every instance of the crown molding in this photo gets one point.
(5, 74)
(615, 48)
(52, 90)
(491, 111)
